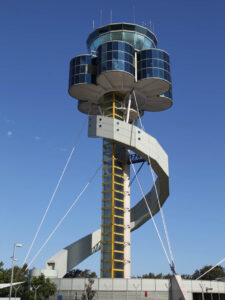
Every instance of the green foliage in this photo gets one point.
(186, 276)
(20, 274)
(217, 272)
(149, 275)
(46, 287)
(76, 273)
(88, 293)
(156, 276)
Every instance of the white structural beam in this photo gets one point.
(127, 248)
(6, 285)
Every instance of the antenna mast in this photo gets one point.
(101, 17)
(134, 14)
(111, 16)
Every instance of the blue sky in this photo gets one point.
(39, 123)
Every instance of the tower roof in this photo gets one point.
(138, 36)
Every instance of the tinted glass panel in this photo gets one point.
(118, 221)
(129, 27)
(110, 55)
(118, 187)
(109, 65)
(118, 238)
(106, 265)
(107, 178)
(103, 29)
(147, 44)
(77, 60)
(118, 255)
(106, 247)
(133, 29)
(143, 55)
(107, 220)
(207, 296)
(118, 171)
(116, 27)
(115, 55)
(128, 37)
(118, 265)
(118, 195)
(106, 228)
(107, 203)
(82, 60)
(118, 229)
(106, 212)
(114, 45)
(118, 203)
(106, 274)
(106, 238)
(118, 212)
(107, 171)
(197, 296)
(118, 274)
(106, 255)
(121, 46)
(118, 247)
(118, 179)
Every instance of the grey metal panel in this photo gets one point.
(162, 285)
(119, 284)
(134, 284)
(148, 284)
(196, 286)
(83, 248)
(187, 285)
(105, 284)
(78, 284)
(221, 287)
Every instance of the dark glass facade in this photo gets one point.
(115, 56)
(153, 63)
(208, 296)
(120, 56)
(139, 37)
(82, 70)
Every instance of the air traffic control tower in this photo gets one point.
(124, 75)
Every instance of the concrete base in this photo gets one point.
(7, 298)
(140, 289)
(177, 290)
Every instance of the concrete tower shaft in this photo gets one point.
(115, 228)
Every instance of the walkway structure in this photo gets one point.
(124, 75)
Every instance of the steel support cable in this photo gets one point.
(219, 263)
(63, 218)
(157, 194)
(139, 169)
(150, 212)
(55, 190)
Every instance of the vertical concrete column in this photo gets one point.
(127, 254)
(112, 233)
